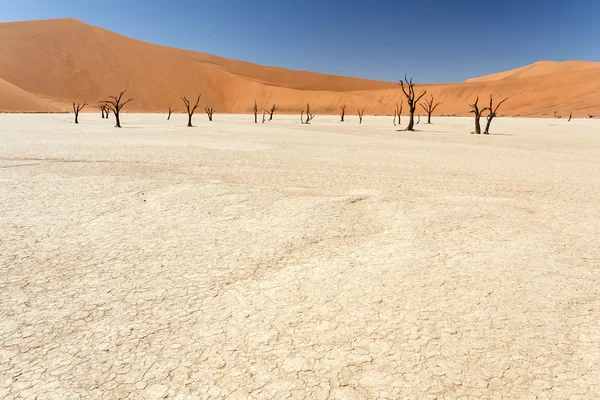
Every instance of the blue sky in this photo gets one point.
(433, 41)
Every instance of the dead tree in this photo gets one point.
(343, 113)
(309, 115)
(264, 113)
(398, 112)
(102, 108)
(190, 109)
(170, 112)
(477, 111)
(209, 111)
(255, 109)
(492, 113)
(430, 107)
(570, 116)
(271, 112)
(76, 108)
(413, 100)
(115, 104)
(360, 115)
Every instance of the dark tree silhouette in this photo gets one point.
(430, 107)
(102, 108)
(398, 112)
(190, 108)
(255, 109)
(492, 114)
(209, 111)
(309, 115)
(115, 104)
(76, 108)
(264, 114)
(343, 113)
(570, 116)
(170, 112)
(271, 112)
(477, 111)
(360, 115)
(413, 100)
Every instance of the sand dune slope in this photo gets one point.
(15, 99)
(67, 60)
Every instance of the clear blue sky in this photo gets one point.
(433, 41)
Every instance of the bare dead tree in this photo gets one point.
(271, 112)
(413, 100)
(570, 116)
(115, 104)
(102, 108)
(76, 108)
(360, 115)
(209, 111)
(343, 113)
(170, 112)
(430, 107)
(190, 108)
(477, 111)
(309, 115)
(398, 112)
(492, 114)
(264, 113)
(255, 109)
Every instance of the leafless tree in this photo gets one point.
(430, 107)
(103, 109)
(398, 112)
(477, 111)
(413, 100)
(271, 112)
(309, 115)
(255, 109)
(76, 108)
(209, 111)
(343, 113)
(190, 108)
(492, 114)
(570, 116)
(115, 104)
(170, 112)
(264, 113)
(360, 115)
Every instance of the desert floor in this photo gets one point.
(328, 261)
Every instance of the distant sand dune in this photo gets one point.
(64, 60)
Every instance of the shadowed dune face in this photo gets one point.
(47, 64)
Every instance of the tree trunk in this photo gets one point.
(210, 117)
(429, 118)
(118, 125)
(477, 125)
(270, 117)
(189, 120)
(411, 122)
(487, 126)
(76, 117)
(169, 117)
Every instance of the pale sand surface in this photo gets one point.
(330, 261)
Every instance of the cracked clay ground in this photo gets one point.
(329, 261)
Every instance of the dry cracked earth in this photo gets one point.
(283, 261)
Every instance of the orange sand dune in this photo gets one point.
(59, 61)
(15, 99)
(539, 68)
